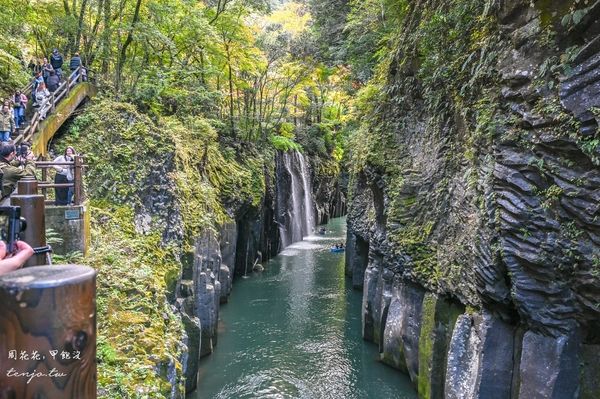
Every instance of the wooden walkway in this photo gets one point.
(63, 102)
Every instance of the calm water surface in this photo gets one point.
(293, 331)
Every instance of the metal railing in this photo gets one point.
(44, 184)
(61, 92)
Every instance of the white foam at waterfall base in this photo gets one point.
(313, 238)
(289, 252)
(327, 239)
(304, 245)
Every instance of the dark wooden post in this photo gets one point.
(48, 333)
(44, 180)
(78, 180)
(33, 210)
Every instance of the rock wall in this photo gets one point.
(476, 198)
(258, 236)
(206, 282)
(330, 193)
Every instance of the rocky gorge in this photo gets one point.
(470, 178)
(285, 215)
(182, 244)
(473, 220)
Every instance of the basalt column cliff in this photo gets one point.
(475, 189)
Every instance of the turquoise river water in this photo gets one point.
(293, 331)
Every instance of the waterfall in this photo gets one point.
(295, 205)
(295, 220)
(309, 213)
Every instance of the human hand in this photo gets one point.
(14, 261)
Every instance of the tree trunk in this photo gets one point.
(75, 47)
(90, 43)
(128, 40)
(296, 110)
(231, 106)
(106, 37)
(202, 71)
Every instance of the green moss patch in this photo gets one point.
(438, 319)
(139, 337)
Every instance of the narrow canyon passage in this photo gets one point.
(293, 331)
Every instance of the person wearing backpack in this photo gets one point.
(53, 82)
(75, 62)
(56, 60)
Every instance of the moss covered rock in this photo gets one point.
(438, 319)
(476, 165)
(155, 186)
(139, 335)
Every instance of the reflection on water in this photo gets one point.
(293, 331)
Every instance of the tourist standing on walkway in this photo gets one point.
(64, 174)
(41, 97)
(52, 82)
(75, 62)
(36, 82)
(7, 123)
(20, 103)
(46, 68)
(38, 79)
(56, 60)
(11, 168)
